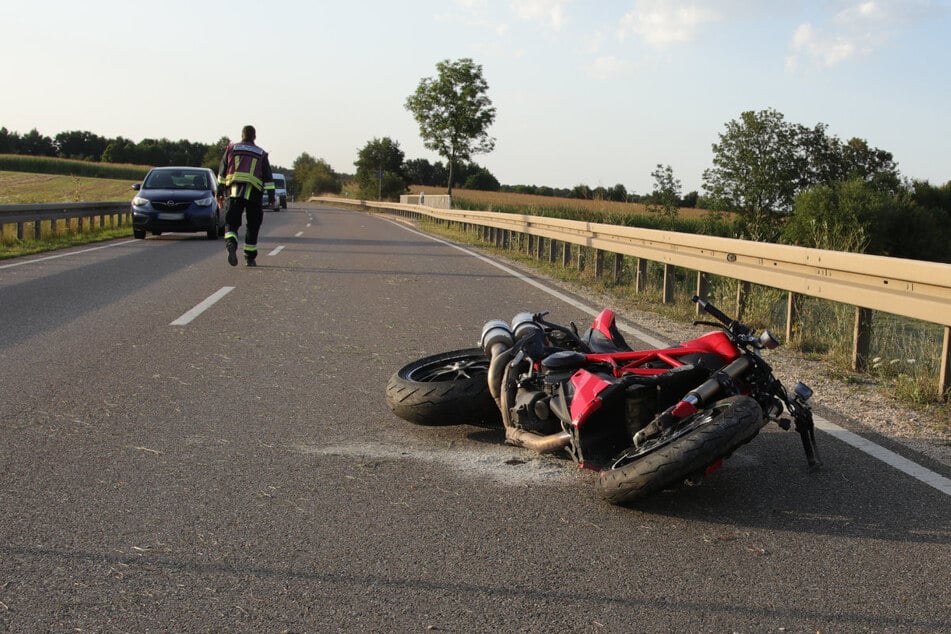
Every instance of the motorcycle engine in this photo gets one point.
(532, 411)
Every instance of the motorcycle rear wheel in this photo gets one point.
(445, 389)
(698, 442)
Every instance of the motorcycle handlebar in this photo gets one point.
(732, 324)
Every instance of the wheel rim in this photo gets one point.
(686, 426)
(452, 370)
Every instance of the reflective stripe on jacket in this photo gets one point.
(245, 164)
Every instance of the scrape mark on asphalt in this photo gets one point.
(497, 465)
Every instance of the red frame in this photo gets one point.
(588, 386)
(717, 343)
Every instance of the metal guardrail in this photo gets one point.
(36, 214)
(910, 288)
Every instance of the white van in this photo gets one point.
(280, 193)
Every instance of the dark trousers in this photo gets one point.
(254, 211)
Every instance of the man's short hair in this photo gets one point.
(248, 133)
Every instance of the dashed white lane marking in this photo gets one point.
(277, 250)
(890, 458)
(188, 317)
(66, 255)
(299, 233)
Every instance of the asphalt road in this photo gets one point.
(241, 472)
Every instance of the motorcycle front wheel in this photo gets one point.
(695, 444)
(444, 389)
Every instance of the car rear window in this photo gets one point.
(179, 179)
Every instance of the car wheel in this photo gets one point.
(138, 234)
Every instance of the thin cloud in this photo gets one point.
(550, 12)
(660, 23)
(857, 30)
(608, 67)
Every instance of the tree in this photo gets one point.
(689, 201)
(757, 170)
(314, 176)
(79, 144)
(9, 141)
(618, 193)
(762, 163)
(838, 216)
(483, 180)
(454, 112)
(380, 170)
(420, 172)
(35, 144)
(581, 192)
(121, 150)
(666, 194)
(212, 157)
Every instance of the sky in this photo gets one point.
(586, 92)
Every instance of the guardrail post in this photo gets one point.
(552, 251)
(618, 267)
(539, 248)
(598, 263)
(944, 378)
(581, 258)
(668, 297)
(862, 341)
(792, 314)
(566, 254)
(742, 292)
(703, 287)
(640, 276)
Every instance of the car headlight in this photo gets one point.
(138, 201)
(206, 202)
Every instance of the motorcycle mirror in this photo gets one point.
(768, 341)
(803, 391)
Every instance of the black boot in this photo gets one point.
(232, 245)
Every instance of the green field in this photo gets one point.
(29, 188)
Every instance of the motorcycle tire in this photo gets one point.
(697, 443)
(444, 389)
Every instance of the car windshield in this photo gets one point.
(279, 183)
(177, 179)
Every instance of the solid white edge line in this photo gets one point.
(65, 255)
(187, 318)
(890, 458)
(276, 250)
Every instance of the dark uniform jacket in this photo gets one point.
(245, 171)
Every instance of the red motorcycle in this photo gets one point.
(645, 419)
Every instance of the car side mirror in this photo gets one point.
(137, 186)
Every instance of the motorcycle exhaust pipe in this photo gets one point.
(496, 342)
(536, 442)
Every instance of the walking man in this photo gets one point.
(244, 176)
